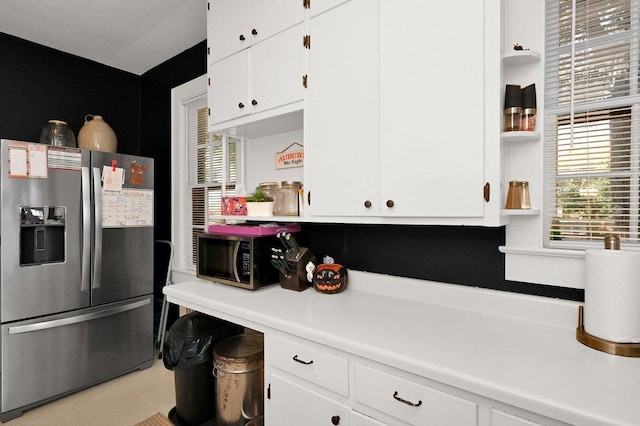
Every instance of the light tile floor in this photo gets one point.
(123, 401)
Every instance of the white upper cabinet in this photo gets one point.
(395, 119)
(402, 105)
(256, 57)
(234, 25)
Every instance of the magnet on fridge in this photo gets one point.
(114, 164)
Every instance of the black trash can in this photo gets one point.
(188, 352)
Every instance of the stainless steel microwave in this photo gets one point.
(239, 261)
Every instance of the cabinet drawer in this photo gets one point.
(315, 365)
(412, 402)
(499, 418)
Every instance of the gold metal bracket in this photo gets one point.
(306, 41)
(622, 349)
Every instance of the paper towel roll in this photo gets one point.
(612, 295)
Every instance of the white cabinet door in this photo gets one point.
(432, 101)
(228, 94)
(395, 111)
(234, 25)
(293, 404)
(358, 419)
(269, 17)
(317, 7)
(342, 116)
(228, 27)
(277, 67)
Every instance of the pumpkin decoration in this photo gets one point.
(330, 278)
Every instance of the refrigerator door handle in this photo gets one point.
(86, 230)
(44, 325)
(97, 226)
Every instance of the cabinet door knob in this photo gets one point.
(254, 31)
(240, 105)
(242, 38)
(254, 102)
(367, 204)
(335, 420)
(390, 203)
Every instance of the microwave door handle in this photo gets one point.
(86, 230)
(97, 226)
(234, 259)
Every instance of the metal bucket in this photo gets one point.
(238, 364)
(258, 421)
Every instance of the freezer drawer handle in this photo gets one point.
(404, 401)
(77, 319)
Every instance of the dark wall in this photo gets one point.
(450, 254)
(38, 84)
(156, 122)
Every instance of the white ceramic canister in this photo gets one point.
(97, 135)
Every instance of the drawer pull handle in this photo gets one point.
(296, 359)
(404, 401)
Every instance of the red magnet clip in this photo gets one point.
(114, 163)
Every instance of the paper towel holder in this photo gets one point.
(622, 349)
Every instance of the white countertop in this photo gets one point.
(517, 349)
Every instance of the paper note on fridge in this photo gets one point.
(112, 178)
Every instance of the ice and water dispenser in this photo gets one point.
(42, 234)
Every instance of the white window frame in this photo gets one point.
(526, 257)
(179, 96)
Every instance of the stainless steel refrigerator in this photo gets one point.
(76, 270)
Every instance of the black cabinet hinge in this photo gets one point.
(306, 4)
(304, 80)
(208, 50)
(269, 391)
(487, 192)
(306, 41)
(209, 112)
(208, 81)
(208, 6)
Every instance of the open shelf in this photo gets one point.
(520, 136)
(520, 57)
(520, 212)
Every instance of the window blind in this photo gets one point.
(208, 173)
(591, 122)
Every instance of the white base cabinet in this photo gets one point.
(312, 384)
(401, 352)
(294, 404)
